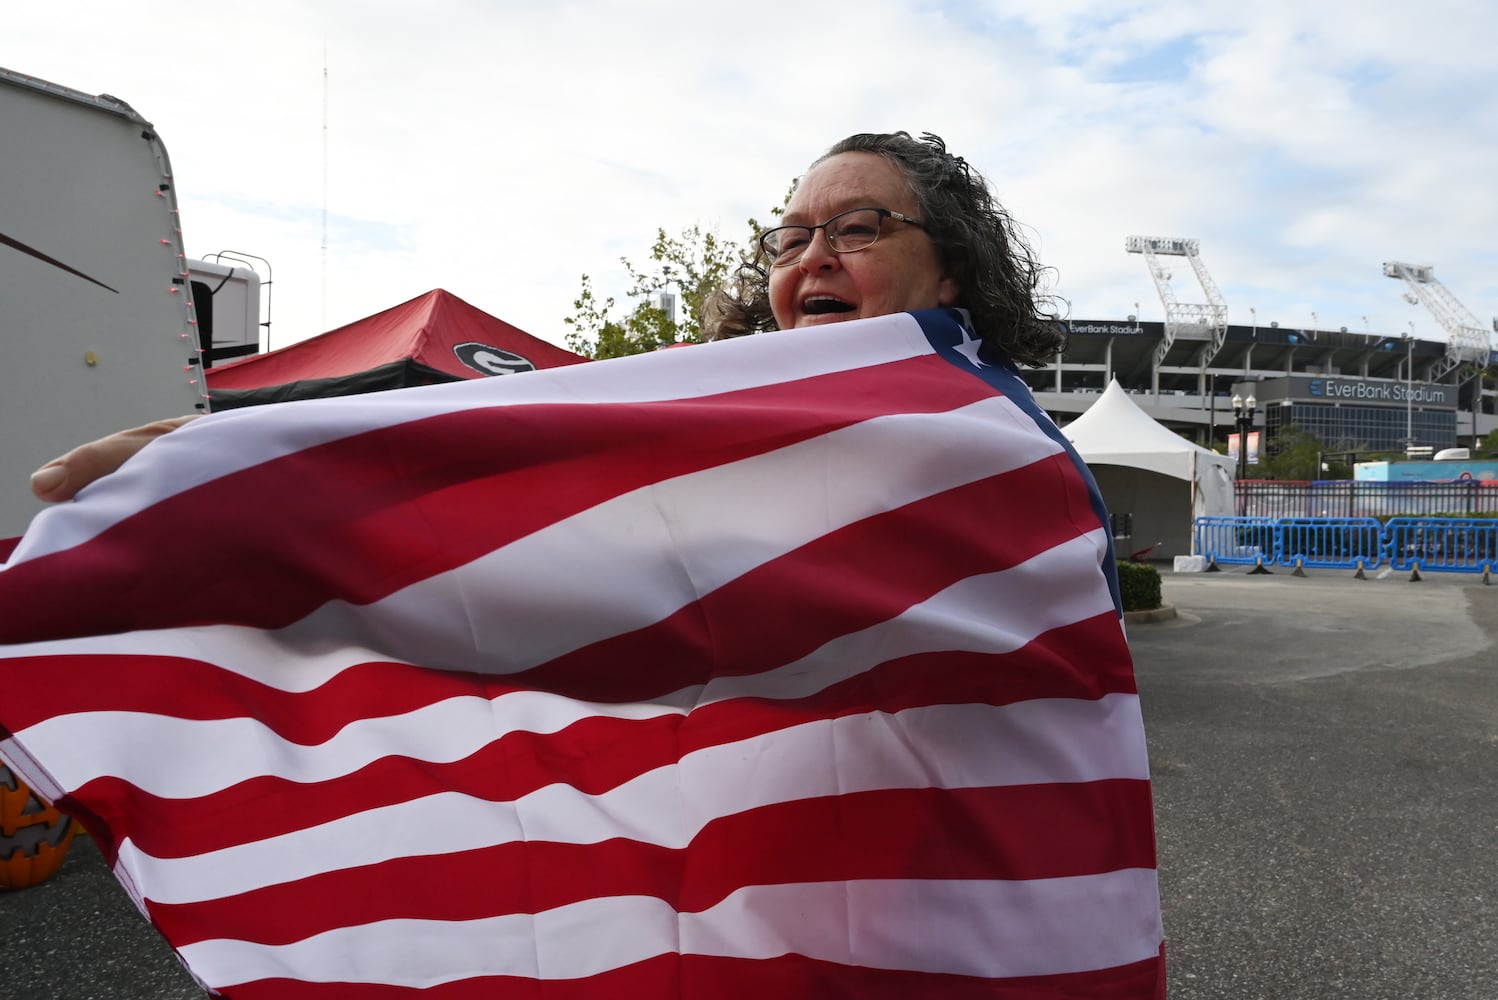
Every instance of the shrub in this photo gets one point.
(1139, 585)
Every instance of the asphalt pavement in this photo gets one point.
(1325, 755)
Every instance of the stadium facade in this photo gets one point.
(1357, 392)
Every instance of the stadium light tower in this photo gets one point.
(1205, 322)
(1466, 341)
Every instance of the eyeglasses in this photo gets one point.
(850, 231)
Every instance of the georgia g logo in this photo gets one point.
(489, 360)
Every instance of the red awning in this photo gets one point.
(437, 331)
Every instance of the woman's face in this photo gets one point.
(900, 272)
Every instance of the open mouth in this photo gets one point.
(822, 305)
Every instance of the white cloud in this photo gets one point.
(502, 149)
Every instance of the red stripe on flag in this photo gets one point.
(366, 515)
(1070, 829)
(190, 689)
(843, 581)
(846, 580)
(597, 754)
(788, 977)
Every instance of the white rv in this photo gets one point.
(104, 322)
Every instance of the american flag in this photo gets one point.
(790, 667)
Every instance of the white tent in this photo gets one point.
(1148, 471)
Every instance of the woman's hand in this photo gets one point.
(62, 477)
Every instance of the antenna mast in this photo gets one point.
(324, 324)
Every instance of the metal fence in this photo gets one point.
(1439, 544)
(1348, 498)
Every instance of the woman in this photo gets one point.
(937, 238)
(941, 240)
(852, 705)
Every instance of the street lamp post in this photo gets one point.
(1243, 416)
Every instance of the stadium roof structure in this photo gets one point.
(1126, 349)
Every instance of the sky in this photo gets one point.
(372, 151)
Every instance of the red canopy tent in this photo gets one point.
(436, 337)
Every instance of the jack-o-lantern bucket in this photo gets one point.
(34, 837)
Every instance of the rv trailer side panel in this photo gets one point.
(96, 320)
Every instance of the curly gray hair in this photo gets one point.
(997, 275)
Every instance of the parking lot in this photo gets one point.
(1324, 753)
(1325, 756)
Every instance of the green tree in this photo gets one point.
(691, 266)
(1297, 454)
(596, 336)
(1336, 469)
(1489, 444)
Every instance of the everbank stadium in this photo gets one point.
(1356, 391)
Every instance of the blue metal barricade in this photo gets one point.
(1242, 540)
(1329, 542)
(1442, 544)
(1438, 544)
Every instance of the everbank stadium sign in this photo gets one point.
(1356, 390)
(1107, 329)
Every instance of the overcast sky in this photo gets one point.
(500, 150)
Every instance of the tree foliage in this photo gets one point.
(1292, 455)
(1489, 445)
(690, 266)
(1297, 454)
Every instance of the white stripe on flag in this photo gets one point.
(642, 556)
(960, 746)
(280, 430)
(984, 928)
(474, 618)
(1037, 596)
(182, 758)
